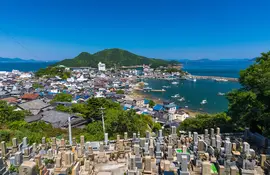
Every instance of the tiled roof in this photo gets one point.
(30, 96)
(10, 99)
(158, 107)
(34, 106)
(56, 118)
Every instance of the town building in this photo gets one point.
(101, 66)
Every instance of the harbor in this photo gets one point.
(215, 78)
(190, 77)
(203, 95)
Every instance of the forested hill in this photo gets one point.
(112, 57)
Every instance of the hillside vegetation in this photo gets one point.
(113, 57)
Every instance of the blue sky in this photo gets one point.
(172, 29)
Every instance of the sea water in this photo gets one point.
(195, 92)
(23, 66)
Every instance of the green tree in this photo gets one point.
(156, 127)
(37, 85)
(250, 105)
(93, 106)
(9, 114)
(52, 72)
(63, 108)
(94, 131)
(151, 103)
(120, 91)
(202, 121)
(62, 97)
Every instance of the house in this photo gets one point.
(167, 102)
(127, 106)
(101, 66)
(67, 104)
(4, 94)
(146, 103)
(158, 108)
(34, 106)
(10, 100)
(181, 115)
(57, 119)
(30, 96)
(170, 108)
(138, 102)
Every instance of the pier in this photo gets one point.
(158, 90)
(215, 78)
(150, 90)
(198, 77)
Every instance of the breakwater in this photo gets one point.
(215, 78)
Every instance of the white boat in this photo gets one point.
(175, 96)
(181, 99)
(175, 82)
(203, 102)
(147, 89)
(221, 94)
(166, 87)
(190, 78)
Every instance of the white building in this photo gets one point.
(25, 75)
(101, 66)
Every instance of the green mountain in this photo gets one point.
(112, 57)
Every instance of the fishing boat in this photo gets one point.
(175, 96)
(221, 94)
(147, 89)
(203, 102)
(181, 99)
(166, 87)
(190, 78)
(175, 82)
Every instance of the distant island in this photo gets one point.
(19, 60)
(215, 60)
(114, 57)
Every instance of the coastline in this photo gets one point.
(138, 94)
(199, 77)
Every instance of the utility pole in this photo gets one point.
(69, 129)
(102, 115)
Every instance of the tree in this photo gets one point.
(63, 108)
(9, 114)
(93, 105)
(52, 72)
(156, 127)
(120, 91)
(37, 85)
(203, 121)
(250, 105)
(151, 103)
(62, 97)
